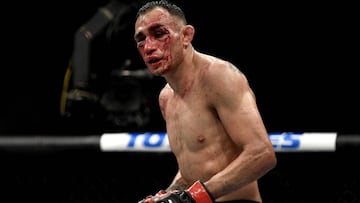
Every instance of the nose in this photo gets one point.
(149, 46)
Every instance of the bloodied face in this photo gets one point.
(160, 40)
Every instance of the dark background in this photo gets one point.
(301, 59)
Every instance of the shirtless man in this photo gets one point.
(212, 121)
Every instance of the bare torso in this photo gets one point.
(196, 134)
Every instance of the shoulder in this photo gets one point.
(165, 91)
(165, 94)
(222, 73)
(224, 82)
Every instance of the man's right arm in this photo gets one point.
(178, 183)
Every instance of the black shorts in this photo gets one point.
(239, 201)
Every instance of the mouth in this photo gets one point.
(154, 61)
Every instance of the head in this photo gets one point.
(162, 35)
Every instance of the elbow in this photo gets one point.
(266, 159)
(270, 159)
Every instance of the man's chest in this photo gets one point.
(188, 112)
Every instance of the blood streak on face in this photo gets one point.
(156, 40)
(160, 54)
(166, 54)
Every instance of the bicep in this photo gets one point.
(238, 112)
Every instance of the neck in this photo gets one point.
(182, 77)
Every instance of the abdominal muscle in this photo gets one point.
(201, 160)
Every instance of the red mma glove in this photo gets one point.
(197, 193)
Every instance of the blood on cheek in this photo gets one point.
(161, 44)
(166, 47)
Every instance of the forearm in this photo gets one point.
(239, 173)
(178, 183)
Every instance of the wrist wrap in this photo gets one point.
(200, 194)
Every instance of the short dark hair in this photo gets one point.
(170, 7)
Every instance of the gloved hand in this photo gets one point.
(149, 197)
(197, 193)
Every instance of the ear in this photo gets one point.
(188, 34)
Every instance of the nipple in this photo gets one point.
(201, 138)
